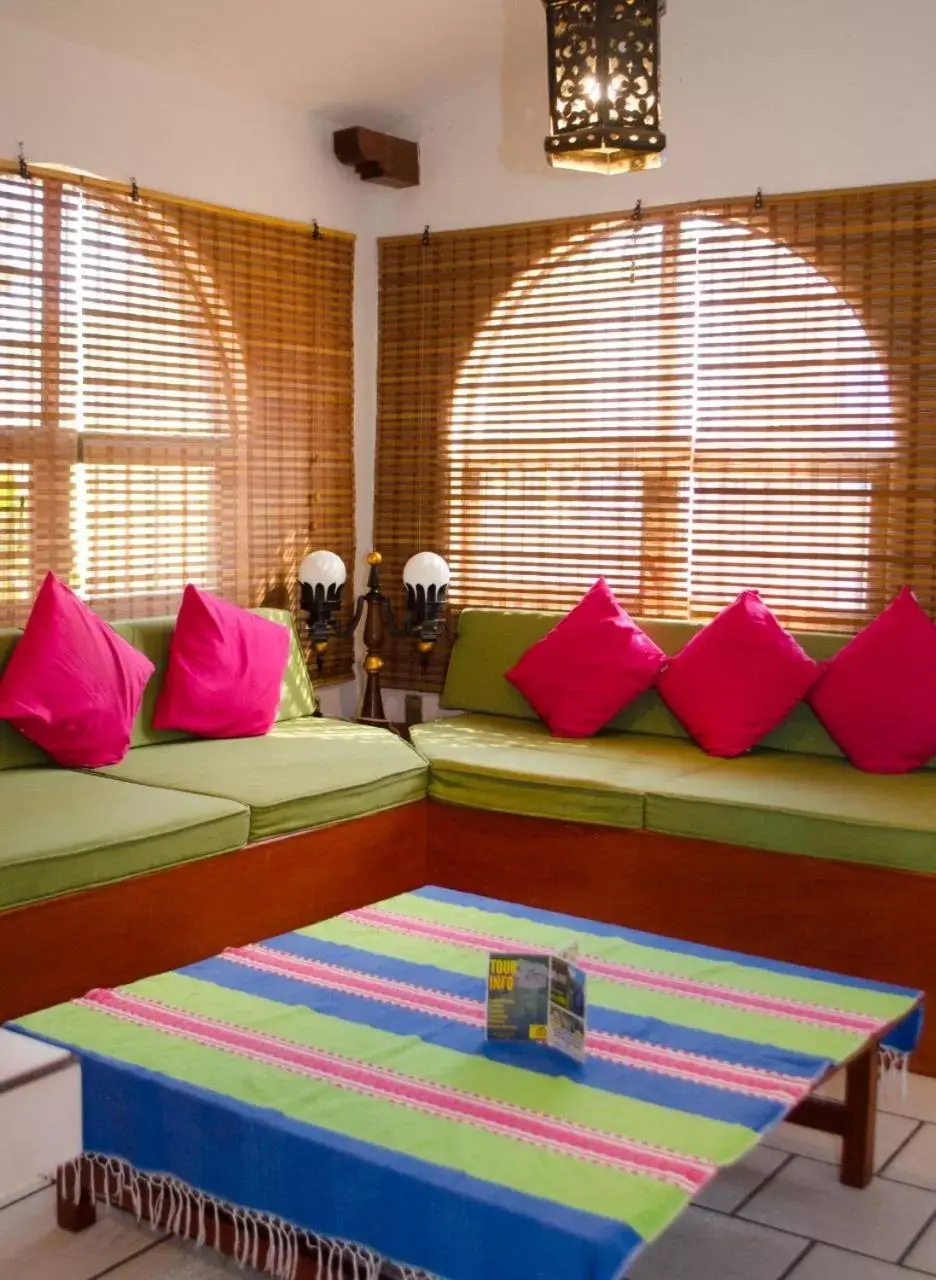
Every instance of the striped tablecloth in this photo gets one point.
(338, 1078)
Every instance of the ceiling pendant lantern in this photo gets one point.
(604, 84)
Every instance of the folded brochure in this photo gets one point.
(539, 998)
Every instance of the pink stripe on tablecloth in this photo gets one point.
(564, 1137)
(612, 1048)
(354, 982)
(712, 993)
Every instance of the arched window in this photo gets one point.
(686, 407)
(175, 398)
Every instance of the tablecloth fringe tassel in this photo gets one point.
(895, 1069)
(192, 1215)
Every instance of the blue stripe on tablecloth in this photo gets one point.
(435, 1218)
(904, 1037)
(668, 1035)
(753, 1113)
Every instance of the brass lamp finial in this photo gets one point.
(375, 558)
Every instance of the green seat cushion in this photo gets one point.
(515, 766)
(63, 831)
(800, 804)
(302, 774)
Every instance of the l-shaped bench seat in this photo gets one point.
(189, 846)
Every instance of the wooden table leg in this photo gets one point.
(861, 1087)
(74, 1212)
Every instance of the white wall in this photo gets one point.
(799, 95)
(95, 111)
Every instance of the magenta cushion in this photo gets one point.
(737, 678)
(72, 685)
(225, 670)
(589, 667)
(877, 696)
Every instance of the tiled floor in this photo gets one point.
(780, 1215)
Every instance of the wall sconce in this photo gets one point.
(604, 84)
(322, 576)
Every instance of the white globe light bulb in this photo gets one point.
(426, 569)
(323, 568)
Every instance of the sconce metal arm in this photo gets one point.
(346, 633)
(398, 632)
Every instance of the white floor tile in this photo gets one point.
(824, 1263)
(923, 1254)
(891, 1133)
(36, 1184)
(834, 1087)
(32, 1247)
(736, 1183)
(709, 1246)
(175, 1261)
(807, 1198)
(916, 1163)
(920, 1102)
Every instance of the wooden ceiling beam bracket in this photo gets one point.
(379, 157)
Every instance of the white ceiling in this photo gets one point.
(377, 59)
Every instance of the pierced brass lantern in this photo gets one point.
(604, 84)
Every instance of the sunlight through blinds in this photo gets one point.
(701, 401)
(175, 399)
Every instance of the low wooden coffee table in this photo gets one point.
(335, 1085)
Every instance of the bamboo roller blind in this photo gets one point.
(175, 399)
(708, 399)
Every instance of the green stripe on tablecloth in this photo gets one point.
(644, 1203)
(830, 994)
(558, 1097)
(761, 1028)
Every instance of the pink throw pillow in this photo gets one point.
(589, 667)
(877, 697)
(72, 685)
(737, 678)
(225, 670)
